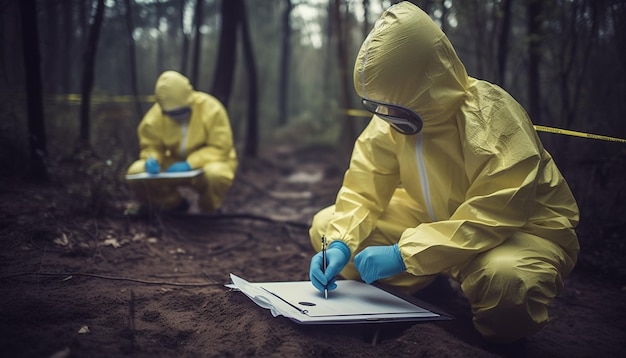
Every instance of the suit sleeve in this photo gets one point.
(368, 185)
(150, 142)
(219, 140)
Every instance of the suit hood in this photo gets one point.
(407, 60)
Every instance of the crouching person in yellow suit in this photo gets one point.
(184, 130)
(449, 178)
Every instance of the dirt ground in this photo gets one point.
(77, 285)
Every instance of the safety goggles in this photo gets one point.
(401, 119)
(179, 114)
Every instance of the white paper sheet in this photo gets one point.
(351, 302)
(165, 175)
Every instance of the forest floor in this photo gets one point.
(74, 284)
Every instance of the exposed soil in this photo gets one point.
(75, 284)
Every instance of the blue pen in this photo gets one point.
(324, 264)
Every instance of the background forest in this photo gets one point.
(76, 77)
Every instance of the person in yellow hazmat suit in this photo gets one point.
(448, 178)
(184, 130)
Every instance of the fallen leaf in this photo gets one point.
(83, 330)
(305, 177)
(62, 241)
(111, 242)
(64, 353)
(138, 237)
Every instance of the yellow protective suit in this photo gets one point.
(204, 141)
(474, 195)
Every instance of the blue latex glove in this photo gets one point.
(152, 166)
(179, 167)
(337, 257)
(376, 262)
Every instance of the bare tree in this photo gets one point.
(84, 8)
(132, 57)
(617, 14)
(366, 23)
(348, 130)
(195, 62)
(534, 33)
(50, 34)
(285, 60)
(445, 12)
(89, 60)
(184, 58)
(575, 55)
(67, 46)
(329, 44)
(503, 41)
(252, 132)
(32, 63)
(158, 19)
(227, 51)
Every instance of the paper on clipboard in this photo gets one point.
(165, 175)
(352, 302)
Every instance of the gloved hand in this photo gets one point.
(376, 262)
(179, 167)
(152, 166)
(337, 257)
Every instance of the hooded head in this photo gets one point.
(407, 70)
(173, 92)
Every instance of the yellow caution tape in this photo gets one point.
(357, 113)
(76, 98)
(538, 128)
(73, 97)
(578, 134)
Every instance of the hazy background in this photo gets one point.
(564, 60)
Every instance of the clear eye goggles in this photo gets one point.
(401, 119)
(179, 114)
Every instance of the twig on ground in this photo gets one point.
(225, 216)
(113, 278)
(131, 319)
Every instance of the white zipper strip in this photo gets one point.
(183, 141)
(423, 177)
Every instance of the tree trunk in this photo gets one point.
(328, 84)
(195, 65)
(366, 23)
(503, 42)
(89, 60)
(577, 62)
(533, 13)
(252, 132)
(445, 12)
(133, 58)
(159, 54)
(32, 63)
(348, 132)
(184, 58)
(478, 28)
(83, 15)
(285, 60)
(52, 61)
(67, 47)
(227, 51)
